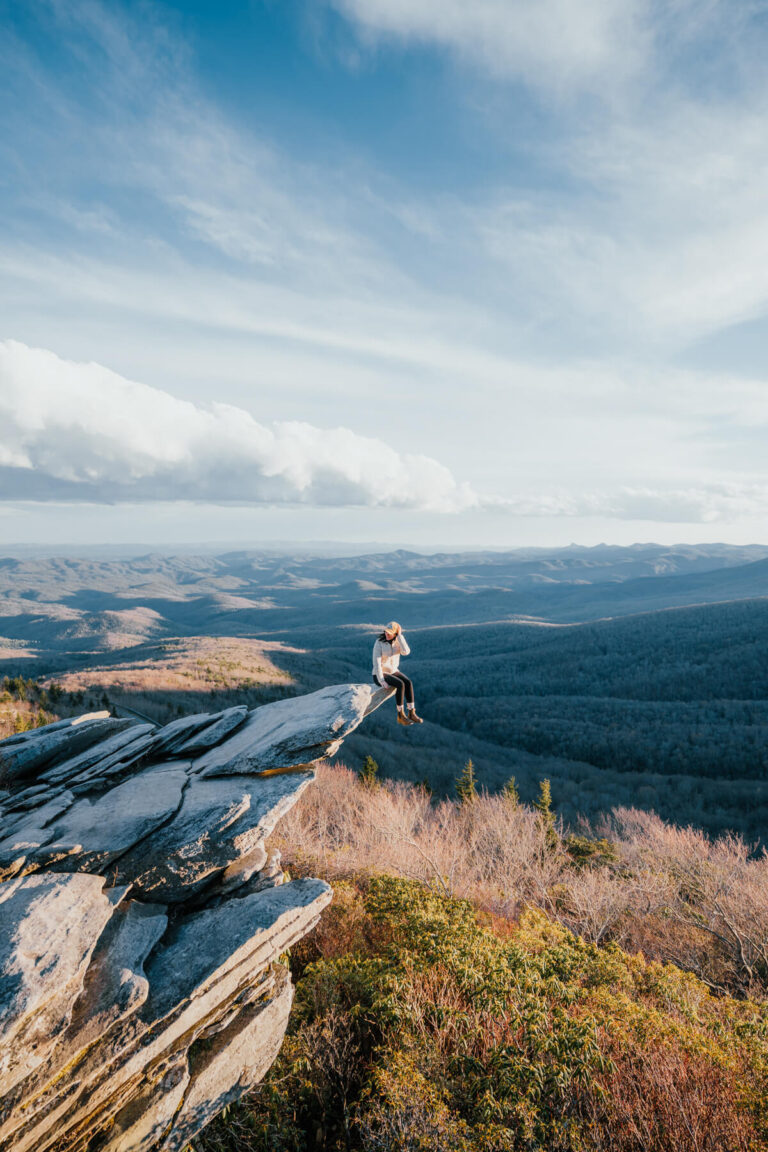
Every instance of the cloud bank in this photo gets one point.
(80, 432)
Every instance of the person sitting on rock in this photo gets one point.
(387, 650)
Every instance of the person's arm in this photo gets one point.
(403, 645)
(377, 663)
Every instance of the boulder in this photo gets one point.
(42, 747)
(207, 947)
(24, 838)
(178, 731)
(226, 722)
(108, 825)
(105, 750)
(231, 1063)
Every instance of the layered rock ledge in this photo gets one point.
(143, 917)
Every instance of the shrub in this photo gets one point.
(435, 1031)
(668, 892)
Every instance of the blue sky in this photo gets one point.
(402, 270)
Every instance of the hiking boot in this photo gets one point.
(402, 719)
(414, 719)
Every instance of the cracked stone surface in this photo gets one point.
(142, 916)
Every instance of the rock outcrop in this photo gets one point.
(142, 918)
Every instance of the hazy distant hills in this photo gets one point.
(626, 675)
(61, 604)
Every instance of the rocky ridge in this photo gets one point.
(142, 917)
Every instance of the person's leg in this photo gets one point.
(410, 700)
(396, 680)
(407, 687)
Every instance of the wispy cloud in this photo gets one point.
(648, 223)
(549, 43)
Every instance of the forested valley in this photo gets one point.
(665, 710)
(625, 676)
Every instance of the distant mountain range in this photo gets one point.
(61, 605)
(626, 675)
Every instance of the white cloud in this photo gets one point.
(80, 431)
(554, 43)
(74, 432)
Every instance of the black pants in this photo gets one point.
(401, 684)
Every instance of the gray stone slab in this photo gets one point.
(44, 748)
(230, 1064)
(178, 731)
(141, 1123)
(227, 722)
(206, 946)
(67, 722)
(122, 817)
(219, 822)
(118, 762)
(104, 749)
(49, 926)
(297, 731)
(28, 834)
(115, 985)
(47, 812)
(24, 796)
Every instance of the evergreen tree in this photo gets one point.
(369, 773)
(466, 786)
(510, 792)
(543, 805)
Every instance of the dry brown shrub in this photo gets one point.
(672, 893)
(663, 1100)
(713, 917)
(491, 851)
(593, 903)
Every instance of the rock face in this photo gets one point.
(142, 917)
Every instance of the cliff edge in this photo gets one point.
(142, 917)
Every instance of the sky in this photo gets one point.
(420, 272)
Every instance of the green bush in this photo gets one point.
(438, 1031)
